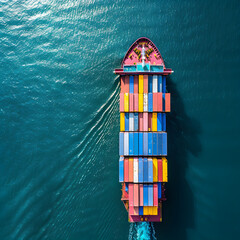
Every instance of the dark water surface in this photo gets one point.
(59, 118)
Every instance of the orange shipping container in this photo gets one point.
(135, 102)
(140, 116)
(159, 102)
(141, 194)
(167, 102)
(155, 109)
(122, 84)
(121, 102)
(130, 170)
(130, 102)
(135, 83)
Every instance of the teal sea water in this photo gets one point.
(59, 118)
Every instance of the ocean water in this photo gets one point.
(59, 118)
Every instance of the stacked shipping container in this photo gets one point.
(143, 144)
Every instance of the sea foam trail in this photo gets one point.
(142, 231)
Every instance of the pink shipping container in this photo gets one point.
(136, 210)
(140, 194)
(130, 194)
(122, 84)
(121, 102)
(136, 195)
(140, 117)
(145, 121)
(135, 102)
(131, 210)
(126, 84)
(126, 170)
(149, 121)
(135, 83)
(130, 102)
(155, 104)
(159, 102)
(145, 83)
(155, 194)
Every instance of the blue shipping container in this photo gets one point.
(131, 84)
(126, 122)
(121, 139)
(159, 190)
(150, 143)
(145, 170)
(145, 144)
(164, 84)
(164, 144)
(140, 143)
(140, 210)
(155, 144)
(140, 170)
(150, 195)
(135, 122)
(150, 170)
(150, 83)
(145, 195)
(163, 102)
(135, 144)
(164, 122)
(159, 143)
(121, 169)
(159, 122)
(130, 144)
(159, 83)
(150, 102)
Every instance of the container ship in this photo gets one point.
(144, 102)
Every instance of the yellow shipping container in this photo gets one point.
(126, 101)
(154, 210)
(155, 170)
(154, 122)
(122, 121)
(140, 102)
(145, 210)
(165, 169)
(140, 84)
(150, 210)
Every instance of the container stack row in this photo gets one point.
(142, 143)
(143, 165)
(145, 102)
(143, 170)
(143, 122)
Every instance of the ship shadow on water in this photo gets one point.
(183, 139)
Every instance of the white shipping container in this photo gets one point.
(135, 170)
(126, 143)
(145, 102)
(155, 82)
(131, 122)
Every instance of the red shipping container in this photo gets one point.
(135, 102)
(167, 102)
(140, 117)
(155, 194)
(136, 195)
(155, 109)
(126, 84)
(126, 170)
(121, 102)
(131, 210)
(130, 170)
(145, 83)
(160, 172)
(145, 121)
(135, 83)
(159, 102)
(122, 84)
(130, 194)
(140, 194)
(149, 121)
(130, 102)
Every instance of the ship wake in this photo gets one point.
(142, 231)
